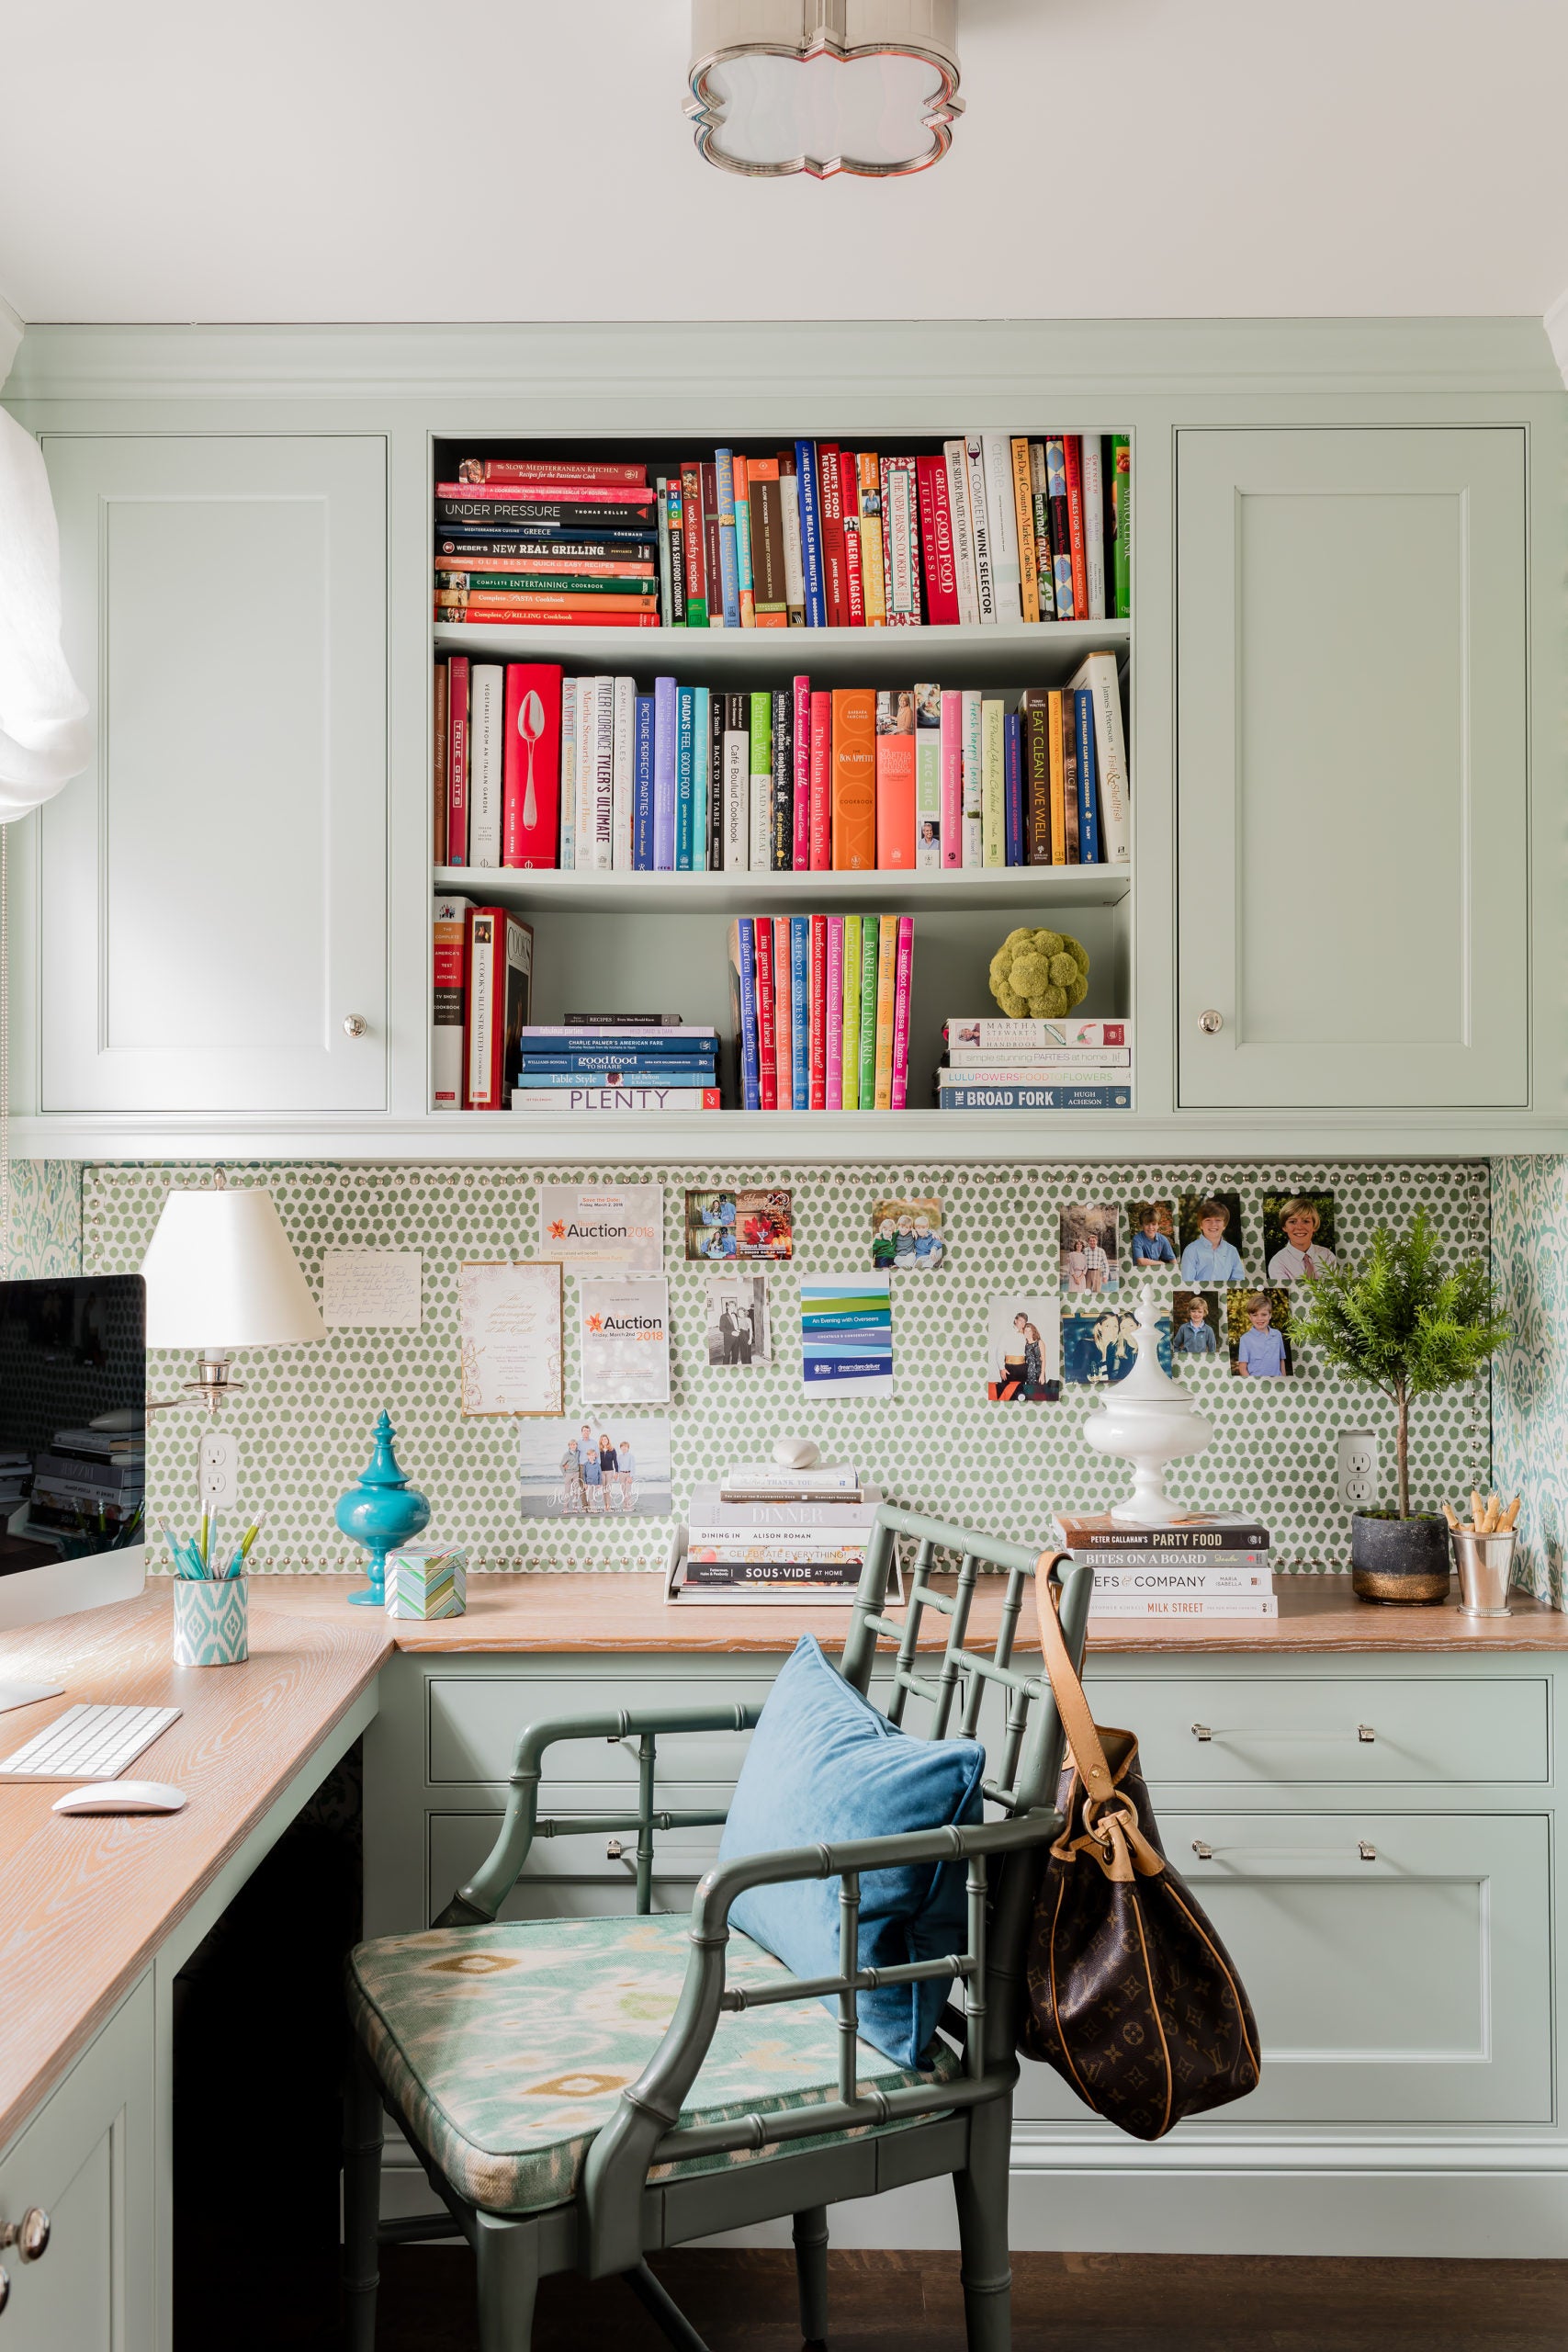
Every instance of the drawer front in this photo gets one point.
(474, 1728)
(567, 1878)
(1274, 1729)
(1411, 1988)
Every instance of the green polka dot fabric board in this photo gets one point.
(939, 1445)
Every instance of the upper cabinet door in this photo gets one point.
(1352, 769)
(213, 894)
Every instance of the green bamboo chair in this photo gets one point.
(689, 2146)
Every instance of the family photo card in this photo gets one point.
(1023, 1347)
(1198, 1326)
(1209, 1230)
(1151, 1236)
(907, 1237)
(1259, 1323)
(750, 1223)
(1298, 1236)
(1100, 1346)
(607, 1466)
(1089, 1262)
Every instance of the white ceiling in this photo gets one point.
(337, 159)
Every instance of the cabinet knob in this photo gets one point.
(1210, 1023)
(1203, 1851)
(1365, 1733)
(354, 1025)
(1366, 1850)
(29, 2235)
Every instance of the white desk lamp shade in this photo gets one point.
(221, 1275)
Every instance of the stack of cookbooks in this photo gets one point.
(619, 1061)
(1211, 1565)
(768, 1534)
(993, 1063)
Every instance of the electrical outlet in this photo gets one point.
(1358, 1469)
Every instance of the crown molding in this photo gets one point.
(11, 332)
(794, 359)
(1555, 326)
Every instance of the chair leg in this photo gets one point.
(810, 2235)
(666, 2313)
(982, 2194)
(508, 2257)
(361, 2203)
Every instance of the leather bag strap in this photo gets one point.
(1110, 1818)
(1072, 1706)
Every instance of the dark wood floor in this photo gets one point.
(910, 2302)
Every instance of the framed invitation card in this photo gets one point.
(509, 1331)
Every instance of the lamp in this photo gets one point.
(221, 1276)
(867, 87)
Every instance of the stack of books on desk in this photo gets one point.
(993, 1063)
(773, 1535)
(89, 1482)
(1211, 1565)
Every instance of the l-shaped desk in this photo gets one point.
(1392, 1899)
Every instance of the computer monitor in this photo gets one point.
(73, 1444)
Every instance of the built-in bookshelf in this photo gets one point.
(658, 940)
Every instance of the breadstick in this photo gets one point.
(1452, 1517)
(1477, 1511)
(1511, 1515)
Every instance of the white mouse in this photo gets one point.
(121, 1797)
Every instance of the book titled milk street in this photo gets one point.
(624, 1329)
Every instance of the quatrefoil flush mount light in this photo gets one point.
(867, 87)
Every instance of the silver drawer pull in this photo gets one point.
(1365, 1733)
(1202, 1731)
(29, 2235)
(1365, 1849)
(613, 1851)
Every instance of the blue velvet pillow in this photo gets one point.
(825, 1767)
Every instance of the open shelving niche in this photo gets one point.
(624, 942)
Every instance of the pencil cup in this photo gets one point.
(1485, 1566)
(211, 1621)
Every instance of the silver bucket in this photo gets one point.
(1485, 1566)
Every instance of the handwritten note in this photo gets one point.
(375, 1290)
(509, 1331)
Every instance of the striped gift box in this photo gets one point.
(426, 1582)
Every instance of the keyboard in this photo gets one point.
(88, 1743)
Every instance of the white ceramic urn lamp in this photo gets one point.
(1148, 1419)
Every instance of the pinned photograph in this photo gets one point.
(611, 1465)
(1023, 1349)
(1260, 1331)
(1151, 1226)
(1209, 1230)
(906, 1237)
(1090, 1264)
(740, 1329)
(1098, 1349)
(755, 1222)
(1298, 1236)
(1197, 1325)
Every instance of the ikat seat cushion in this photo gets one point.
(505, 2049)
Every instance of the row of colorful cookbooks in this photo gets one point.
(991, 528)
(820, 1005)
(768, 1534)
(535, 770)
(1207, 1564)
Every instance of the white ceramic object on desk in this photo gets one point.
(1148, 1419)
(797, 1452)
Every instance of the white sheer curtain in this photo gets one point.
(44, 738)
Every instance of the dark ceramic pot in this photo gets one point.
(1399, 1560)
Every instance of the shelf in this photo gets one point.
(977, 890)
(1001, 656)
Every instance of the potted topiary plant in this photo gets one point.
(1406, 1327)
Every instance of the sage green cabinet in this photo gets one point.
(87, 2159)
(1352, 768)
(212, 891)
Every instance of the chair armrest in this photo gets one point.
(479, 1901)
(618, 2160)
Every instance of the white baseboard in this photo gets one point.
(1493, 2201)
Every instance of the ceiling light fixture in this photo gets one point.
(868, 86)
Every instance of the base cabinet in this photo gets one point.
(1373, 1839)
(87, 2159)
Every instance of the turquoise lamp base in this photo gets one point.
(381, 1512)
